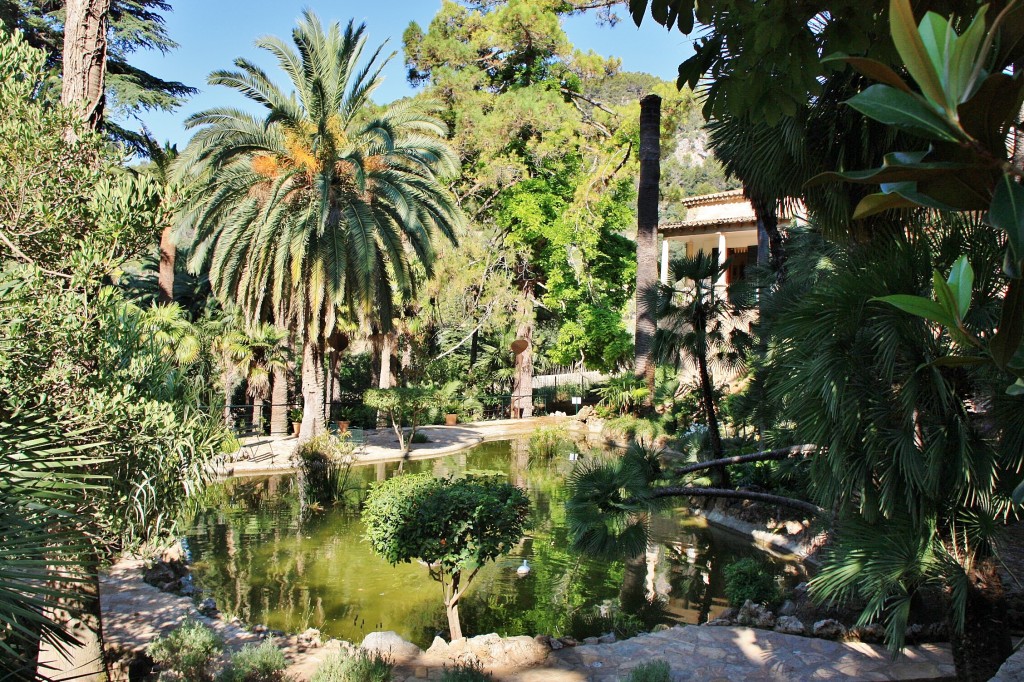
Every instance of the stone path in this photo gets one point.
(270, 454)
(135, 613)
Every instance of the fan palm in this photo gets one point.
(257, 355)
(320, 203)
(693, 323)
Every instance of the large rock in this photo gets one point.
(829, 629)
(755, 616)
(789, 625)
(391, 644)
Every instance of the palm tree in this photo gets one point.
(693, 319)
(322, 203)
(162, 158)
(257, 354)
(647, 235)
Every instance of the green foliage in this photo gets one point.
(751, 579)
(262, 663)
(624, 393)
(324, 463)
(189, 650)
(402, 405)
(419, 438)
(547, 441)
(455, 524)
(466, 672)
(654, 671)
(362, 667)
(632, 428)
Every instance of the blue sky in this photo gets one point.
(213, 32)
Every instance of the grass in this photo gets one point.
(363, 667)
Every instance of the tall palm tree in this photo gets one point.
(163, 158)
(647, 235)
(257, 354)
(321, 203)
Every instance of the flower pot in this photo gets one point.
(451, 419)
(295, 427)
(342, 425)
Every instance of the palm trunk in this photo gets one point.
(85, 60)
(387, 349)
(257, 415)
(768, 225)
(719, 474)
(646, 239)
(522, 388)
(985, 643)
(228, 379)
(312, 388)
(279, 403)
(168, 252)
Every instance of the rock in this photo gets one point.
(607, 639)
(788, 608)
(720, 622)
(208, 607)
(438, 647)
(555, 643)
(936, 632)
(873, 633)
(259, 629)
(591, 640)
(568, 641)
(310, 638)
(585, 413)
(755, 616)
(595, 425)
(801, 589)
(391, 644)
(660, 627)
(829, 628)
(789, 625)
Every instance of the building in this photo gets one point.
(723, 224)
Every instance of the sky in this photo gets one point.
(212, 33)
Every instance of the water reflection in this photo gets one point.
(265, 561)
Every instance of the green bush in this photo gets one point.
(655, 671)
(188, 650)
(632, 428)
(419, 437)
(363, 667)
(546, 442)
(466, 672)
(263, 663)
(751, 579)
(324, 464)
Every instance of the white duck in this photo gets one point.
(524, 569)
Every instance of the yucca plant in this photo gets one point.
(320, 203)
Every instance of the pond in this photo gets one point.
(265, 559)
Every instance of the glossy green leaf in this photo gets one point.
(1018, 492)
(945, 297)
(987, 115)
(906, 111)
(919, 306)
(1007, 212)
(880, 202)
(1017, 388)
(911, 49)
(961, 283)
(871, 68)
(958, 361)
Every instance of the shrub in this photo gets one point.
(546, 442)
(623, 393)
(363, 667)
(324, 464)
(188, 650)
(634, 428)
(419, 437)
(751, 579)
(466, 672)
(655, 671)
(263, 663)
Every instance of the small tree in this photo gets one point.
(401, 405)
(454, 525)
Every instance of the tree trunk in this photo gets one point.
(451, 607)
(521, 404)
(646, 240)
(279, 403)
(227, 377)
(387, 349)
(474, 348)
(85, 60)
(257, 415)
(312, 388)
(83, 662)
(719, 474)
(985, 642)
(768, 224)
(168, 251)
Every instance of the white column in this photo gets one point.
(722, 256)
(664, 260)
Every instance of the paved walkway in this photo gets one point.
(269, 454)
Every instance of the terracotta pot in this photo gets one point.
(295, 427)
(451, 419)
(342, 425)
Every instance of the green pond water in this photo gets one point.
(267, 560)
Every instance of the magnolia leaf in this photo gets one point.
(1016, 388)
(957, 361)
(910, 191)
(1018, 492)
(871, 68)
(913, 52)
(944, 295)
(1005, 344)
(919, 306)
(961, 283)
(987, 115)
(900, 167)
(1006, 212)
(906, 111)
(879, 202)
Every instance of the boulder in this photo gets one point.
(591, 641)
(788, 608)
(829, 628)
(391, 644)
(555, 643)
(585, 413)
(873, 633)
(789, 625)
(755, 616)
(438, 647)
(607, 639)
(310, 638)
(208, 607)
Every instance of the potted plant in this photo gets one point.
(343, 421)
(295, 415)
(449, 403)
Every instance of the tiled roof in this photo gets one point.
(712, 198)
(696, 225)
